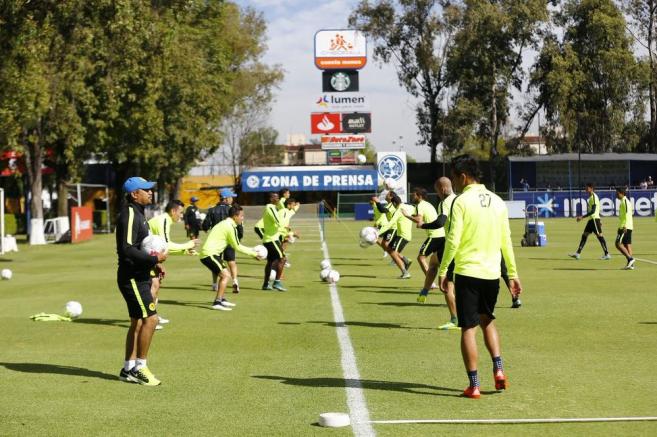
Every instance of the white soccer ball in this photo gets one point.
(272, 275)
(368, 236)
(323, 275)
(6, 274)
(390, 184)
(261, 251)
(154, 244)
(325, 264)
(291, 239)
(362, 159)
(333, 277)
(73, 309)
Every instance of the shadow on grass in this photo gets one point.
(405, 304)
(365, 325)
(353, 265)
(57, 370)
(579, 269)
(189, 287)
(396, 291)
(369, 384)
(647, 323)
(358, 276)
(186, 304)
(121, 323)
(375, 288)
(6, 260)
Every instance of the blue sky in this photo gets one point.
(291, 26)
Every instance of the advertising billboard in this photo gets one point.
(81, 224)
(340, 49)
(323, 178)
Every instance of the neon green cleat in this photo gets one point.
(448, 326)
(144, 376)
(422, 296)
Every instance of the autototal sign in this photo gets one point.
(357, 123)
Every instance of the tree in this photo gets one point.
(485, 61)
(415, 36)
(586, 82)
(643, 19)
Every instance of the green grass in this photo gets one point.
(583, 345)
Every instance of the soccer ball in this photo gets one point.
(362, 159)
(325, 264)
(291, 239)
(390, 184)
(261, 251)
(368, 236)
(154, 245)
(333, 277)
(6, 274)
(272, 275)
(73, 309)
(323, 275)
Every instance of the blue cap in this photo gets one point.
(136, 183)
(227, 192)
(194, 199)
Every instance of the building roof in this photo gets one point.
(587, 157)
(306, 147)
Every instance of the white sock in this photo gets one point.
(128, 365)
(235, 282)
(140, 363)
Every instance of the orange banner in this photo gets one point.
(81, 224)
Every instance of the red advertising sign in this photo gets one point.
(81, 223)
(325, 123)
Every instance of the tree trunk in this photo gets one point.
(652, 86)
(62, 199)
(495, 131)
(33, 160)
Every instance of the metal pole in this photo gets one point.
(79, 192)
(2, 221)
(579, 174)
(107, 209)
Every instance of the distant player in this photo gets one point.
(192, 219)
(161, 225)
(625, 226)
(594, 225)
(283, 195)
(443, 187)
(478, 236)
(380, 220)
(271, 239)
(287, 233)
(217, 214)
(222, 236)
(402, 236)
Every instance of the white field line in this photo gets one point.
(646, 261)
(517, 421)
(358, 412)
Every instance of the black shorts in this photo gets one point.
(387, 235)
(274, 250)
(398, 243)
(475, 296)
(229, 254)
(215, 263)
(593, 226)
(259, 232)
(433, 245)
(624, 236)
(137, 295)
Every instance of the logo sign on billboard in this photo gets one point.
(353, 102)
(325, 123)
(392, 165)
(357, 123)
(339, 81)
(340, 49)
(333, 142)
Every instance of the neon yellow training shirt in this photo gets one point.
(478, 229)
(626, 214)
(593, 200)
(161, 225)
(390, 208)
(404, 227)
(271, 223)
(222, 235)
(429, 215)
(285, 216)
(444, 208)
(380, 219)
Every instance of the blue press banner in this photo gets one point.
(570, 204)
(309, 180)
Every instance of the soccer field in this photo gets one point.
(582, 345)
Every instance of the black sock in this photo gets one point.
(582, 242)
(603, 243)
(497, 364)
(474, 378)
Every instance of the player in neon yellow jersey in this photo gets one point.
(593, 226)
(625, 227)
(403, 234)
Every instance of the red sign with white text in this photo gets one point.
(325, 123)
(81, 224)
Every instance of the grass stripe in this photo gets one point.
(358, 412)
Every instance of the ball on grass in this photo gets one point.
(73, 309)
(6, 274)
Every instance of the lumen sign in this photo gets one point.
(569, 204)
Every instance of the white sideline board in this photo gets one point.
(516, 208)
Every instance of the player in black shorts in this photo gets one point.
(593, 226)
(134, 280)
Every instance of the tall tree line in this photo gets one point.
(143, 85)
(589, 66)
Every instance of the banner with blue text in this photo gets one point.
(310, 180)
(570, 204)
